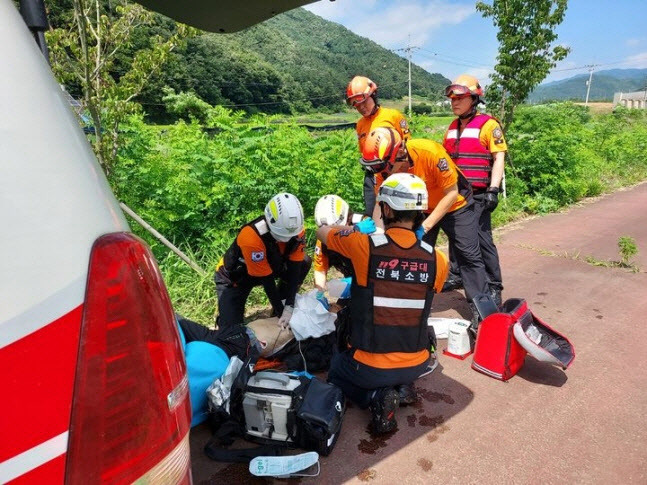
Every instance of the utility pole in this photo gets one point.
(408, 50)
(588, 84)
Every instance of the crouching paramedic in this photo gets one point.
(268, 248)
(396, 276)
(332, 210)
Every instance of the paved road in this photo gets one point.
(585, 425)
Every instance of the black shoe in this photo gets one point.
(452, 284)
(407, 394)
(383, 406)
(495, 293)
(476, 319)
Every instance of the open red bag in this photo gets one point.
(497, 352)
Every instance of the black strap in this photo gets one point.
(240, 455)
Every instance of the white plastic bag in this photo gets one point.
(219, 391)
(310, 317)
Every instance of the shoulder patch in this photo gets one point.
(443, 165)
(317, 249)
(258, 256)
(403, 123)
(497, 133)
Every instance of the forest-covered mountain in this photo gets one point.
(603, 86)
(294, 62)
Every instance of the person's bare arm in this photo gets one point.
(497, 169)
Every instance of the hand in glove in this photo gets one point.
(323, 300)
(420, 232)
(346, 292)
(491, 198)
(286, 316)
(367, 226)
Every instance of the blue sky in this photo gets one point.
(453, 37)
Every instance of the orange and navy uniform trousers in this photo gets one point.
(382, 117)
(255, 258)
(431, 162)
(395, 278)
(472, 150)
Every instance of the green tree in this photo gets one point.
(85, 51)
(526, 55)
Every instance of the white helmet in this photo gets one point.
(331, 210)
(404, 191)
(284, 216)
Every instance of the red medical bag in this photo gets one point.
(497, 352)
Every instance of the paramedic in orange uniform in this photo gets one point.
(268, 248)
(395, 278)
(332, 210)
(450, 199)
(476, 144)
(362, 94)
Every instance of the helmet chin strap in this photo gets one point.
(387, 221)
(472, 112)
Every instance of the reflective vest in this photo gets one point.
(390, 313)
(234, 266)
(465, 149)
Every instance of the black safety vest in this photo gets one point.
(390, 313)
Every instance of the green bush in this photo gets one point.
(198, 186)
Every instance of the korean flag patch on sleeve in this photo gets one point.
(258, 256)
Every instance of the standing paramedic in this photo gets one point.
(268, 248)
(450, 199)
(476, 144)
(396, 276)
(362, 94)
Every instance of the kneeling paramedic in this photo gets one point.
(268, 248)
(332, 210)
(396, 276)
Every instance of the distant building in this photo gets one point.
(636, 100)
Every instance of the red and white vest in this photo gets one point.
(465, 149)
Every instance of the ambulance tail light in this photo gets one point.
(130, 411)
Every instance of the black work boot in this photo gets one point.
(495, 293)
(453, 282)
(476, 320)
(383, 405)
(407, 394)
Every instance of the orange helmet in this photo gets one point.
(359, 89)
(464, 85)
(380, 148)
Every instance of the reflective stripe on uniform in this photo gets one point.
(398, 302)
(467, 133)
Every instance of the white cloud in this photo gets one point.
(637, 61)
(390, 23)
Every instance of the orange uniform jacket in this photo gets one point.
(355, 246)
(433, 165)
(387, 117)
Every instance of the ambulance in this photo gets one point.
(93, 384)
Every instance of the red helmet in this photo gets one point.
(359, 89)
(380, 148)
(464, 85)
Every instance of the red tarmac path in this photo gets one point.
(584, 425)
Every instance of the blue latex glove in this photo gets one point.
(366, 226)
(420, 232)
(323, 300)
(348, 281)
